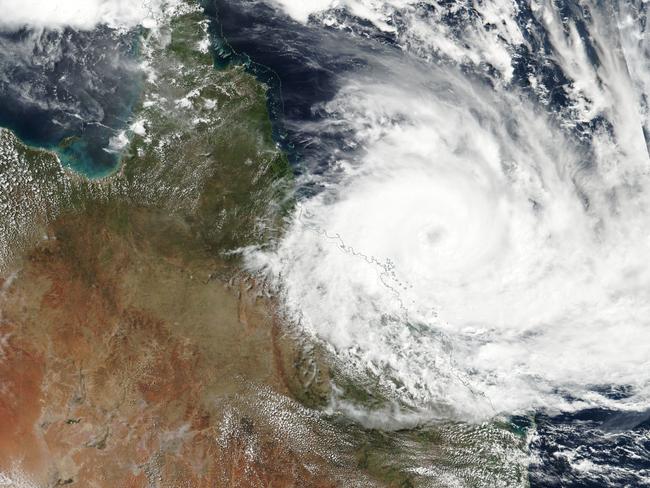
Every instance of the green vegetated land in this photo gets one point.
(201, 150)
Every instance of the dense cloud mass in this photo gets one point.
(483, 246)
(80, 14)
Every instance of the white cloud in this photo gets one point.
(301, 10)
(80, 14)
(469, 250)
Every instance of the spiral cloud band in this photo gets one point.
(480, 254)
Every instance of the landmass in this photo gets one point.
(134, 351)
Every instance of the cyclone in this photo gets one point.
(480, 242)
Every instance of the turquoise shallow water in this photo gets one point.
(83, 152)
